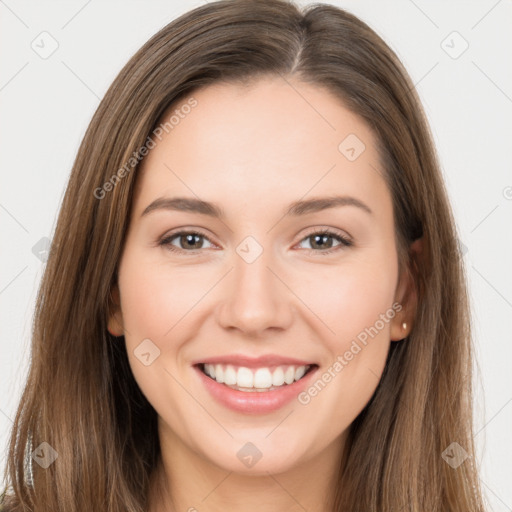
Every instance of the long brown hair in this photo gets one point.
(80, 396)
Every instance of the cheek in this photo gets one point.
(355, 302)
(351, 298)
(152, 310)
(154, 297)
(159, 303)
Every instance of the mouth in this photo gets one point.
(256, 380)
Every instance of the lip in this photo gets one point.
(254, 402)
(266, 361)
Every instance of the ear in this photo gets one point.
(115, 316)
(407, 295)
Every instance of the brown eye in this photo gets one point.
(322, 241)
(187, 241)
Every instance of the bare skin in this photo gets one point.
(253, 151)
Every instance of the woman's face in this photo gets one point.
(256, 292)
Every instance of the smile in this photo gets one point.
(258, 390)
(256, 379)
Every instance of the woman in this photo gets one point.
(334, 376)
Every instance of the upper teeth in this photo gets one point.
(260, 378)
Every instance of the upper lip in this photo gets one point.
(254, 362)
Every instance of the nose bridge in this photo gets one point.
(255, 299)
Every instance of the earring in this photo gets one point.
(404, 326)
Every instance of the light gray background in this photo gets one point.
(46, 105)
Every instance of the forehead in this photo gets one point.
(272, 138)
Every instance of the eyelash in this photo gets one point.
(344, 241)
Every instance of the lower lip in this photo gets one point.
(254, 402)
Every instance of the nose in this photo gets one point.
(255, 299)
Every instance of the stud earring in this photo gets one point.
(404, 326)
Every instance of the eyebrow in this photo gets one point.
(303, 207)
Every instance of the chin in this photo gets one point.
(257, 457)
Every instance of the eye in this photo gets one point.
(192, 241)
(186, 239)
(321, 241)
